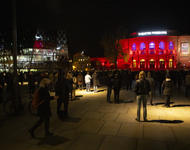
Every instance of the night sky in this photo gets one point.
(87, 21)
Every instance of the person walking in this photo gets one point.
(62, 90)
(167, 86)
(87, 81)
(142, 89)
(152, 87)
(43, 109)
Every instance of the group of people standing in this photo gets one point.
(144, 88)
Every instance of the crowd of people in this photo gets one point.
(144, 84)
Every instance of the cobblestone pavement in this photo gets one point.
(95, 124)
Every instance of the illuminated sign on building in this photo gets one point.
(152, 33)
(184, 49)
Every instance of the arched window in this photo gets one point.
(134, 47)
(134, 63)
(152, 63)
(142, 63)
(161, 45)
(170, 63)
(142, 48)
(161, 48)
(162, 64)
(171, 45)
(151, 47)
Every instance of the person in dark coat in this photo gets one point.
(116, 86)
(1, 87)
(152, 87)
(43, 110)
(109, 83)
(167, 86)
(95, 81)
(187, 83)
(62, 90)
(80, 81)
(31, 83)
(142, 89)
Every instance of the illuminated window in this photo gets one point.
(142, 48)
(171, 45)
(152, 63)
(161, 45)
(151, 47)
(134, 63)
(162, 64)
(170, 63)
(142, 63)
(161, 48)
(134, 47)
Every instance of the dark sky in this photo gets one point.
(87, 21)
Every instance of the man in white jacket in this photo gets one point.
(87, 81)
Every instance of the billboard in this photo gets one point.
(184, 49)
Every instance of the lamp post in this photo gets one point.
(17, 101)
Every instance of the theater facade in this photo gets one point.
(152, 50)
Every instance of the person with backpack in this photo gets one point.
(42, 102)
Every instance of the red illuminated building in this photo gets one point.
(154, 50)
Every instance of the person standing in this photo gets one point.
(87, 81)
(62, 90)
(152, 87)
(167, 87)
(43, 109)
(142, 89)
(31, 83)
(95, 81)
(80, 81)
(116, 86)
(187, 83)
(109, 83)
(74, 87)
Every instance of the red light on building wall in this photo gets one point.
(156, 52)
(38, 45)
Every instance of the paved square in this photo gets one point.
(95, 124)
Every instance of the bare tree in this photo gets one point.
(112, 47)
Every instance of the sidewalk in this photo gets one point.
(95, 124)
